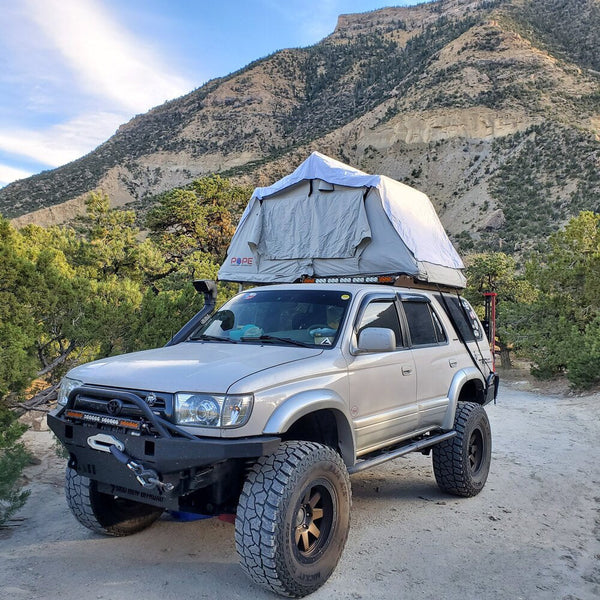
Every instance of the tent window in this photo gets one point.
(293, 226)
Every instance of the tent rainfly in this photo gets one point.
(327, 219)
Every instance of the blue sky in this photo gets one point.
(72, 71)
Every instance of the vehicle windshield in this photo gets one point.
(299, 317)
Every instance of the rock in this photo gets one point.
(494, 221)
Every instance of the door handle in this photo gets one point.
(406, 371)
(452, 362)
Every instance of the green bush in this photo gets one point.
(13, 458)
(583, 367)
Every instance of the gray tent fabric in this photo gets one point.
(310, 228)
(328, 219)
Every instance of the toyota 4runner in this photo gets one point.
(263, 409)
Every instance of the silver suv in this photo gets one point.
(265, 408)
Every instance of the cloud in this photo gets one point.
(105, 58)
(73, 75)
(8, 174)
(62, 143)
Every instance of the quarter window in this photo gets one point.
(463, 317)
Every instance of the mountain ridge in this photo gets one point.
(442, 96)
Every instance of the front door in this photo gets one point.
(382, 384)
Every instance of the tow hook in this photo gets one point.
(147, 478)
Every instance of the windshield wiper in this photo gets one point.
(273, 338)
(211, 338)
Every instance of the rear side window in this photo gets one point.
(463, 317)
(424, 326)
(381, 313)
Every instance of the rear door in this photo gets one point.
(436, 360)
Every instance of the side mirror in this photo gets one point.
(376, 339)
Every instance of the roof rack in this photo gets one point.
(395, 279)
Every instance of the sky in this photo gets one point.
(72, 71)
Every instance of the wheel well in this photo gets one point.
(319, 426)
(326, 426)
(472, 391)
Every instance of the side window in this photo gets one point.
(423, 323)
(463, 317)
(382, 313)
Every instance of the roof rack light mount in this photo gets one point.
(396, 279)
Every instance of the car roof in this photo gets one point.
(353, 288)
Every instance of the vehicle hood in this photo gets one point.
(189, 366)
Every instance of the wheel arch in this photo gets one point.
(317, 416)
(467, 386)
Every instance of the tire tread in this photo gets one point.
(83, 500)
(256, 522)
(448, 457)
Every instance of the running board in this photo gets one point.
(392, 454)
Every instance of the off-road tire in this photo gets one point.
(293, 518)
(103, 513)
(462, 463)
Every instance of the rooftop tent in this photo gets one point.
(328, 219)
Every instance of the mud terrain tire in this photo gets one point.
(462, 463)
(103, 513)
(293, 518)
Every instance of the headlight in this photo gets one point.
(66, 386)
(212, 410)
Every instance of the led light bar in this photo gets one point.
(103, 420)
(354, 279)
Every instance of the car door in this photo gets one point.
(382, 384)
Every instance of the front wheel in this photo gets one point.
(293, 518)
(462, 463)
(104, 513)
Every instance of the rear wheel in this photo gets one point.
(462, 463)
(293, 518)
(104, 513)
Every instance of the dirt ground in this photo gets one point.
(532, 533)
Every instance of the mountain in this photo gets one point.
(492, 108)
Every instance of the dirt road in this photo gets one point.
(533, 533)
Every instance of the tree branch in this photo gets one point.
(57, 361)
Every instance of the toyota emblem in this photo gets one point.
(114, 407)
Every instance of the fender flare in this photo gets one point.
(299, 405)
(458, 382)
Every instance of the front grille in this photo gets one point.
(115, 407)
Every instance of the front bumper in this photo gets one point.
(177, 458)
(165, 455)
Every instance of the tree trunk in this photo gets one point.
(505, 361)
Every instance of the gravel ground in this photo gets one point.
(532, 533)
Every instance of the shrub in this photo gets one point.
(13, 458)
